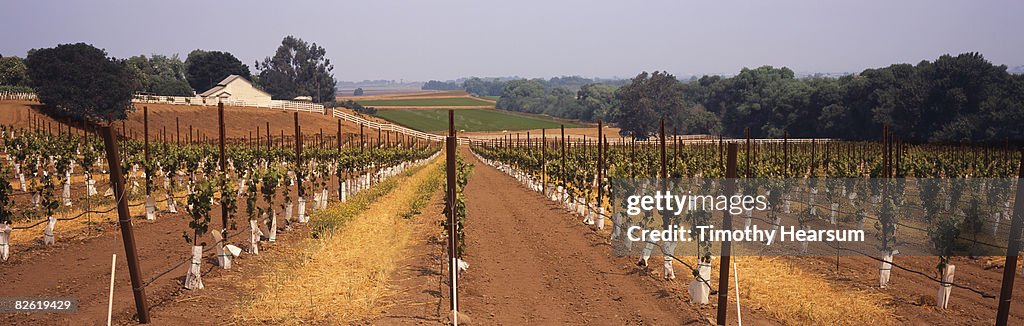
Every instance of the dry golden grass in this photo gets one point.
(345, 276)
(786, 293)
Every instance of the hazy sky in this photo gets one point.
(442, 39)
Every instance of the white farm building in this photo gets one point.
(233, 90)
(236, 89)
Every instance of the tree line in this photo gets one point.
(962, 98)
(82, 81)
(492, 86)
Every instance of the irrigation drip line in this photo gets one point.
(979, 292)
(161, 274)
(80, 214)
(861, 253)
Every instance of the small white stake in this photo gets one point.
(736, 278)
(110, 300)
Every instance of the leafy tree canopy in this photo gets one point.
(13, 71)
(298, 68)
(159, 75)
(204, 69)
(79, 80)
(962, 98)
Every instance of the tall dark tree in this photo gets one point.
(597, 102)
(522, 96)
(648, 98)
(207, 68)
(160, 75)
(13, 71)
(483, 87)
(298, 68)
(79, 80)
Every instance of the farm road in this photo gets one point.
(531, 263)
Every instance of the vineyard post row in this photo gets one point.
(124, 221)
(119, 189)
(891, 158)
(403, 136)
(452, 195)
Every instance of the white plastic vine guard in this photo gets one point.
(617, 226)
(996, 218)
(832, 213)
(90, 187)
(193, 278)
(344, 191)
(254, 237)
(288, 211)
(886, 269)
(302, 211)
(945, 287)
(698, 289)
(225, 252)
(5, 241)
(272, 226)
(150, 208)
(172, 206)
(65, 194)
(645, 254)
(48, 238)
(668, 249)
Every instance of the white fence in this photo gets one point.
(197, 100)
(10, 96)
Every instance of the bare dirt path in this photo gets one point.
(530, 263)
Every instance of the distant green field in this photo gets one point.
(492, 98)
(450, 101)
(469, 120)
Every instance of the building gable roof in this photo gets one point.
(228, 80)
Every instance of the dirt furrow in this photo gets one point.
(531, 263)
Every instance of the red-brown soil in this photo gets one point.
(531, 263)
(239, 122)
